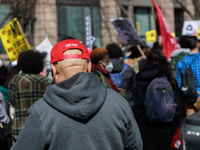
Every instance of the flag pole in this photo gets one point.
(153, 12)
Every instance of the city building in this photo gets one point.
(57, 18)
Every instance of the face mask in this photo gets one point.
(109, 67)
(127, 55)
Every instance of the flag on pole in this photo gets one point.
(168, 41)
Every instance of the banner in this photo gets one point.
(89, 38)
(13, 39)
(168, 41)
(127, 31)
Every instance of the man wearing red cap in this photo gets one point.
(78, 111)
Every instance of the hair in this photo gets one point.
(147, 50)
(11, 72)
(114, 51)
(157, 46)
(97, 55)
(135, 52)
(183, 41)
(192, 42)
(3, 74)
(31, 62)
(157, 58)
(67, 37)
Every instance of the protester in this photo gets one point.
(178, 54)
(24, 89)
(133, 57)
(11, 72)
(119, 67)
(101, 67)
(5, 121)
(155, 135)
(80, 112)
(192, 60)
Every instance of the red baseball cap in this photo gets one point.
(58, 50)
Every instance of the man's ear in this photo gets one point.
(89, 67)
(198, 44)
(54, 71)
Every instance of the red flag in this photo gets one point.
(168, 41)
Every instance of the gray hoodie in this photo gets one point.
(80, 114)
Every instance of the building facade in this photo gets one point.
(57, 18)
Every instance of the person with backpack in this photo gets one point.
(188, 77)
(157, 106)
(122, 74)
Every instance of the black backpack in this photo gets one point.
(188, 87)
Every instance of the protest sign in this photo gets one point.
(89, 38)
(150, 36)
(127, 31)
(138, 28)
(191, 27)
(13, 39)
(45, 46)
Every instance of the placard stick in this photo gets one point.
(141, 52)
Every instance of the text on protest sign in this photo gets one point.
(127, 31)
(13, 39)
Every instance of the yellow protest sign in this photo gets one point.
(198, 33)
(13, 39)
(150, 36)
(138, 28)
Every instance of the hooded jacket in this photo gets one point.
(80, 113)
(128, 78)
(156, 136)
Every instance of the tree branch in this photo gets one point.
(5, 18)
(191, 16)
(196, 5)
(122, 8)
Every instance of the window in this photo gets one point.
(71, 21)
(4, 10)
(178, 20)
(144, 17)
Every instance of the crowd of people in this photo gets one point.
(106, 99)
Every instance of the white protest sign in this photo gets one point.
(191, 27)
(89, 38)
(45, 46)
(127, 31)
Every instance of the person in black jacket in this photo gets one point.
(156, 136)
(115, 55)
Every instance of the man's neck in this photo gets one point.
(196, 50)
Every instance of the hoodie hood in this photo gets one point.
(81, 101)
(118, 65)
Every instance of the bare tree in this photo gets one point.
(129, 11)
(196, 4)
(24, 11)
